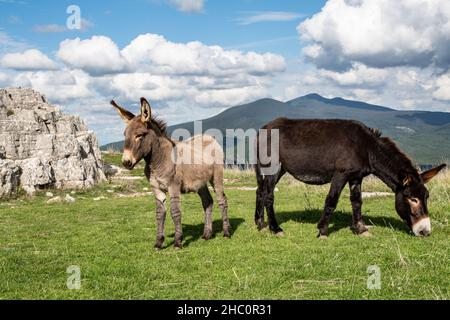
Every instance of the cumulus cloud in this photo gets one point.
(31, 59)
(443, 88)
(188, 5)
(183, 81)
(379, 34)
(59, 85)
(153, 53)
(358, 75)
(96, 56)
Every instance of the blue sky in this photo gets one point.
(195, 58)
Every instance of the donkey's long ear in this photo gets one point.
(429, 174)
(146, 111)
(126, 115)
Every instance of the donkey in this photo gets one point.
(343, 151)
(174, 167)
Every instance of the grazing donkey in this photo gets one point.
(343, 151)
(174, 167)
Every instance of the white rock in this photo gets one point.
(69, 199)
(49, 194)
(100, 198)
(9, 178)
(47, 148)
(54, 200)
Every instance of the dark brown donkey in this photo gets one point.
(174, 167)
(343, 151)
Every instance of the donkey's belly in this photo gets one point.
(313, 178)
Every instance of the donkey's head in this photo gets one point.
(411, 200)
(141, 133)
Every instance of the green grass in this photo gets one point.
(112, 242)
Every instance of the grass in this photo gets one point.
(111, 240)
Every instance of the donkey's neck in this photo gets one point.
(387, 161)
(160, 158)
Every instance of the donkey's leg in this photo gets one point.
(160, 216)
(259, 208)
(337, 184)
(207, 202)
(217, 184)
(269, 198)
(356, 200)
(175, 211)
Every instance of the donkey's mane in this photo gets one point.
(389, 146)
(160, 125)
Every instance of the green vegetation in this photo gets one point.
(111, 240)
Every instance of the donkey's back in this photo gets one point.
(313, 150)
(199, 161)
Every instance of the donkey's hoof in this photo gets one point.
(261, 225)
(322, 236)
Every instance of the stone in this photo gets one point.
(54, 200)
(100, 198)
(111, 170)
(44, 147)
(49, 194)
(9, 178)
(69, 199)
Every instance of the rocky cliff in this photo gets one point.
(40, 147)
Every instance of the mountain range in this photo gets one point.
(423, 135)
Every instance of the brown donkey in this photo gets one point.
(343, 151)
(174, 167)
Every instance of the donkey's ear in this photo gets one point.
(146, 111)
(126, 115)
(429, 174)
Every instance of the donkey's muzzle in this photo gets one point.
(128, 164)
(422, 228)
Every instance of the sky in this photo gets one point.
(194, 58)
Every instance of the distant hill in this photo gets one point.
(424, 135)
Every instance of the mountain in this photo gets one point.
(424, 135)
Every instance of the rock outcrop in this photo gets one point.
(40, 147)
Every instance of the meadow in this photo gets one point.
(109, 232)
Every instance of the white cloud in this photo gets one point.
(379, 34)
(188, 5)
(60, 86)
(358, 75)
(49, 28)
(57, 28)
(97, 56)
(443, 88)
(31, 59)
(268, 16)
(155, 54)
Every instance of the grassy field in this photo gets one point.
(111, 240)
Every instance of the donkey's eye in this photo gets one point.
(139, 136)
(414, 200)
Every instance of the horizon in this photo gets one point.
(193, 59)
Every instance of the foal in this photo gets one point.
(174, 167)
(343, 151)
